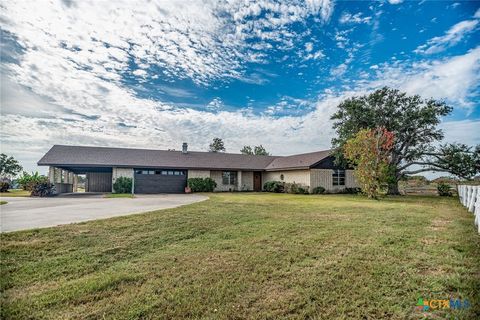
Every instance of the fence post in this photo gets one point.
(467, 198)
(473, 198)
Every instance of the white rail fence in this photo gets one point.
(470, 198)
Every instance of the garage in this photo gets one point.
(160, 181)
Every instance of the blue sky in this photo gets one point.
(158, 73)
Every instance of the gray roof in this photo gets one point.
(298, 161)
(80, 156)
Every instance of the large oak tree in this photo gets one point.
(414, 122)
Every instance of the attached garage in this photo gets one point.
(160, 181)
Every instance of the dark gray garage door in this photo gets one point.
(160, 181)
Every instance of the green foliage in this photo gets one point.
(123, 185)
(43, 189)
(257, 151)
(411, 119)
(274, 186)
(444, 190)
(27, 181)
(217, 145)
(246, 150)
(9, 167)
(202, 184)
(458, 159)
(4, 186)
(295, 188)
(318, 190)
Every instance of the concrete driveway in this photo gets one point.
(23, 213)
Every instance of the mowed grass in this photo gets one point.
(250, 256)
(15, 193)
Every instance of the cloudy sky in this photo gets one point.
(156, 73)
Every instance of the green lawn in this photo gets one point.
(119, 195)
(250, 256)
(15, 193)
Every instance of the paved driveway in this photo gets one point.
(28, 213)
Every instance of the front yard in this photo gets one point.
(247, 255)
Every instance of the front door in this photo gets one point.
(257, 181)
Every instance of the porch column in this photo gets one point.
(239, 180)
(51, 174)
(75, 183)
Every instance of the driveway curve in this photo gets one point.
(23, 213)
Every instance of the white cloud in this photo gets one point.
(324, 7)
(453, 36)
(395, 1)
(463, 131)
(477, 14)
(67, 87)
(200, 40)
(354, 18)
(456, 79)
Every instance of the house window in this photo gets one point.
(338, 177)
(282, 177)
(229, 177)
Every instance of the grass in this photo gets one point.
(250, 256)
(15, 193)
(119, 195)
(3, 202)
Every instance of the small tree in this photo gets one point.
(257, 150)
(217, 145)
(370, 151)
(9, 167)
(28, 181)
(247, 150)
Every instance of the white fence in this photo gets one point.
(470, 198)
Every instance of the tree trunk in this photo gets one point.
(393, 188)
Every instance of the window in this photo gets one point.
(338, 177)
(229, 177)
(162, 172)
(282, 177)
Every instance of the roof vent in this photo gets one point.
(184, 147)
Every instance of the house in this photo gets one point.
(161, 171)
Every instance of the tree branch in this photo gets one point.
(424, 170)
(421, 164)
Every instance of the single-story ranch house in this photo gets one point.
(162, 171)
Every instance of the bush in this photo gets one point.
(318, 190)
(4, 186)
(352, 190)
(43, 189)
(444, 190)
(295, 188)
(122, 185)
(201, 184)
(28, 181)
(274, 186)
(302, 190)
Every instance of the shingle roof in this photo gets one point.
(304, 160)
(80, 156)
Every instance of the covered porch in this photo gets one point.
(65, 178)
